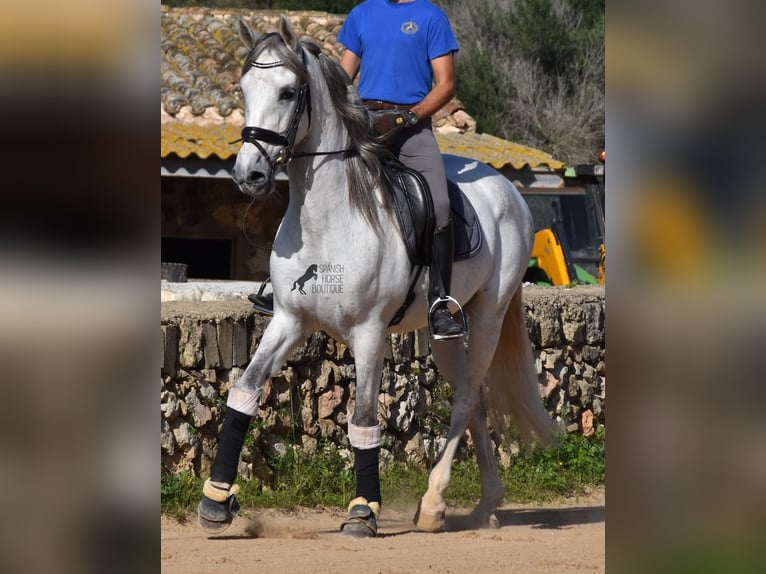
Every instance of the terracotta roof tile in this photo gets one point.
(203, 136)
(202, 55)
(495, 151)
(201, 103)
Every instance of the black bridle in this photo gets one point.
(256, 135)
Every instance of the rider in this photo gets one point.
(404, 53)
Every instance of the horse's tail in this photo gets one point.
(513, 390)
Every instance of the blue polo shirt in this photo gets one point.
(396, 43)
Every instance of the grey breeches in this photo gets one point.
(418, 150)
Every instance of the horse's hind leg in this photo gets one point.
(452, 362)
(219, 505)
(492, 491)
(466, 371)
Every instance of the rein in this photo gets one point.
(256, 135)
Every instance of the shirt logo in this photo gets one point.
(409, 28)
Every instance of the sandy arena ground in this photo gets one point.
(560, 538)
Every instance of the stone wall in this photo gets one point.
(207, 345)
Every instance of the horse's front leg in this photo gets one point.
(219, 505)
(364, 433)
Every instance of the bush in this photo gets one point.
(323, 479)
(532, 71)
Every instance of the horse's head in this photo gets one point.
(277, 106)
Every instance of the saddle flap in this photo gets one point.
(415, 215)
(414, 209)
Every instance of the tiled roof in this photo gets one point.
(201, 105)
(202, 55)
(205, 135)
(495, 151)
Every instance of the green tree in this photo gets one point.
(332, 6)
(532, 71)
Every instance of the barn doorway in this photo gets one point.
(207, 258)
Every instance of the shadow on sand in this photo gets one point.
(547, 518)
(553, 518)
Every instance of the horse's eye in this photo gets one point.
(287, 94)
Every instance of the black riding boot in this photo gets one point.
(441, 322)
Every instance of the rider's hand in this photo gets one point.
(389, 123)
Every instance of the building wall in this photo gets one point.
(210, 208)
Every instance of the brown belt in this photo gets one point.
(381, 105)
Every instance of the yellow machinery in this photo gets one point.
(549, 257)
(569, 222)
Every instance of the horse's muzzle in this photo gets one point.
(255, 182)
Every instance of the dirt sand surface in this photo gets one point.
(563, 537)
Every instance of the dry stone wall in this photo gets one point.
(207, 345)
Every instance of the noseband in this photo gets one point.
(256, 135)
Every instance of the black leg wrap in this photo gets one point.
(367, 475)
(235, 425)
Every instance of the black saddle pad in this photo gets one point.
(465, 224)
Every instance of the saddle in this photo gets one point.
(415, 215)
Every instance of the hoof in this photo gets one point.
(360, 523)
(215, 517)
(483, 519)
(427, 521)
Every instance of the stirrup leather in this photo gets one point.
(260, 301)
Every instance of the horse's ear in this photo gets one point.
(289, 37)
(246, 33)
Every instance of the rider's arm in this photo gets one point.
(350, 63)
(443, 90)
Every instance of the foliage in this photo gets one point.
(577, 463)
(437, 413)
(179, 493)
(331, 6)
(532, 71)
(323, 479)
(537, 475)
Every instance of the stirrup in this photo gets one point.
(262, 303)
(434, 306)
